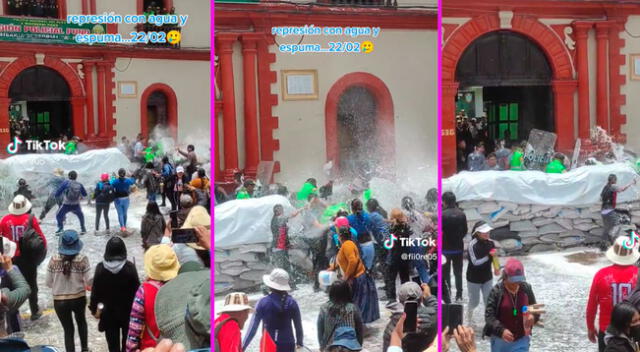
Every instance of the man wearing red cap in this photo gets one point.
(508, 316)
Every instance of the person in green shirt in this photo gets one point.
(247, 190)
(309, 187)
(517, 159)
(149, 155)
(72, 146)
(556, 165)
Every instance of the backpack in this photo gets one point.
(31, 244)
(218, 327)
(106, 193)
(74, 192)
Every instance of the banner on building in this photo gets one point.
(44, 30)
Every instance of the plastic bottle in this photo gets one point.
(525, 317)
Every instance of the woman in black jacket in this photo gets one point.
(507, 323)
(481, 251)
(114, 287)
(623, 330)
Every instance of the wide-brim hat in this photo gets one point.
(70, 243)
(235, 302)
(173, 300)
(623, 252)
(161, 263)
(278, 279)
(198, 216)
(20, 205)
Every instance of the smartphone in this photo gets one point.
(411, 319)
(174, 218)
(184, 236)
(451, 316)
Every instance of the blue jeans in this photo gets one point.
(368, 254)
(500, 345)
(122, 206)
(70, 208)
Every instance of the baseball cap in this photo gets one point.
(514, 270)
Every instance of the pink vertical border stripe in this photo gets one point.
(439, 114)
(212, 108)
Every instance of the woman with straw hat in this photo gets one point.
(160, 265)
(68, 276)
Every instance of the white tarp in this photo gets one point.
(578, 187)
(246, 221)
(37, 169)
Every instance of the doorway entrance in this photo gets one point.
(507, 79)
(157, 111)
(40, 105)
(357, 131)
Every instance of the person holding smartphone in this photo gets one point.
(481, 251)
(506, 323)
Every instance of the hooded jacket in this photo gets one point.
(617, 342)
(277, 315)
(115, 283)
(152, 229)
(493, 326)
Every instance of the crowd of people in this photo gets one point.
(476, 151)
(510, 307)
(135, 309)
(351, 252)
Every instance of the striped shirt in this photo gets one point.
(137, 320)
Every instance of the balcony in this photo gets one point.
(33, 8)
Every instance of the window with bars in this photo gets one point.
(502, 120)
(33, 8)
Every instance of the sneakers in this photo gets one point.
(123, 229)
(59, 232)
(35, 316)
(458, 298)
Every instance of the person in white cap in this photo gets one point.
(228, 326)
(13, 226)
(481, 252)
(610, 286)
(177, 185)
(279, 311)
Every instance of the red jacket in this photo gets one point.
(229, 336)
(610, 286)
(13, 226)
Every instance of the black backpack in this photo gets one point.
(31, 244)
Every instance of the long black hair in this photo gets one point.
(621, 318)
(67, 260)
(153, 209)
(374, 206)
(340, 295)
(344, 233)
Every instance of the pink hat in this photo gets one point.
(342, 222)
(104, 177)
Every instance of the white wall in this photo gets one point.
(405, 60)
(188, 79)
(195, 34)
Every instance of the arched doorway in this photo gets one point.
(564, 84)
(40, 104)
(158, 109)
(359, 126)
(505, 86)
(357, 135)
